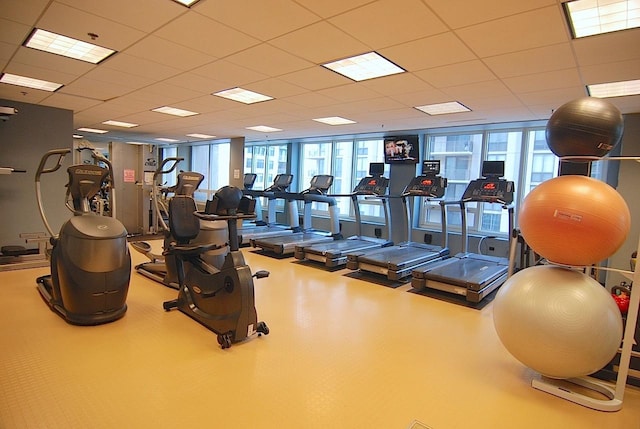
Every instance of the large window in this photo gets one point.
(213, 162)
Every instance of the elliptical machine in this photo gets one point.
(90, 260)
(222, 299)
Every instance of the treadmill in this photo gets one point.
(472, 275)
(317, 192)
(269, 228)
(397, 262)
(334, 254)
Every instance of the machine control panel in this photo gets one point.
(372, 185)
(489, 190)
(427, 186)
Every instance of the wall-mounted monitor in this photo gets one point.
(401, 150)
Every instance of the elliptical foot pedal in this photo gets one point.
(170, 305)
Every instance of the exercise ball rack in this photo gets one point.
(615, 394)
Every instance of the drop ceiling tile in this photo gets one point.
(456, 74)
(350, 92)
(462, 13)
(397, 84)
(320, 43)
(429, 52)
(51, 66)
(389, 22)
(315, 78)
(228, 74)
(328, 8)
(220, 40)
(13, 32)
(526, 30)
(165, 52)
(22, 94)
(70, 102)
(140, 67)
(269, 60)
(537, 60)
(95, 90)
(71, 22)
(606, 48)
(275, 88)
(568, 78)
(611, 72)
(260, 19)
(490, 88)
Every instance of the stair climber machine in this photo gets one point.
(334, 254)
(270, 228)
(398, 261)
(90, 260)
(472, 275)
(316, 193)
(161, 268)
(221, 299)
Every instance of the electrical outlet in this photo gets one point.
(428, 238)
(377, 232)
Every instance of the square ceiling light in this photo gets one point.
(243, 95)
(614, 89)
(264, 129)
(200, 136)
(335, 120)
(187, 3)
(443, 108)
(14, 79)
(174, 111)
(590, 17)
(66, 46)
(120, 124)
(365, 66)
(93, 130)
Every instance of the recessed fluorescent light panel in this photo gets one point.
(614, 89)
(120, 124)
(365, 66)
(200, 136)
(264, 129)
(28, 82)
(136, 143)
(443, 108)
(173, 111)
(62, 45)
(590, 17)
(187, 3)
(93, 130)
(334, 120)
(163, 139)
(243, 95)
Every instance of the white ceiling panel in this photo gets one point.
(505, 59)
(390, 22)
(528, 30)
(264, 20)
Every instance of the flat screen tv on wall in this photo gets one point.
(401, 150)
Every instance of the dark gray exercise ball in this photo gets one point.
(585, 126)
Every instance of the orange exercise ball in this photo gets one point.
(574, 220)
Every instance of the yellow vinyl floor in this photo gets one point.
(341, 353)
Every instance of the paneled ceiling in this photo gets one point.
(506, 60)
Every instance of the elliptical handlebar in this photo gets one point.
(61, 153)
(159, 171)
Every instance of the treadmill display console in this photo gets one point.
(372, 186)
(489, 191)
(427, 186)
